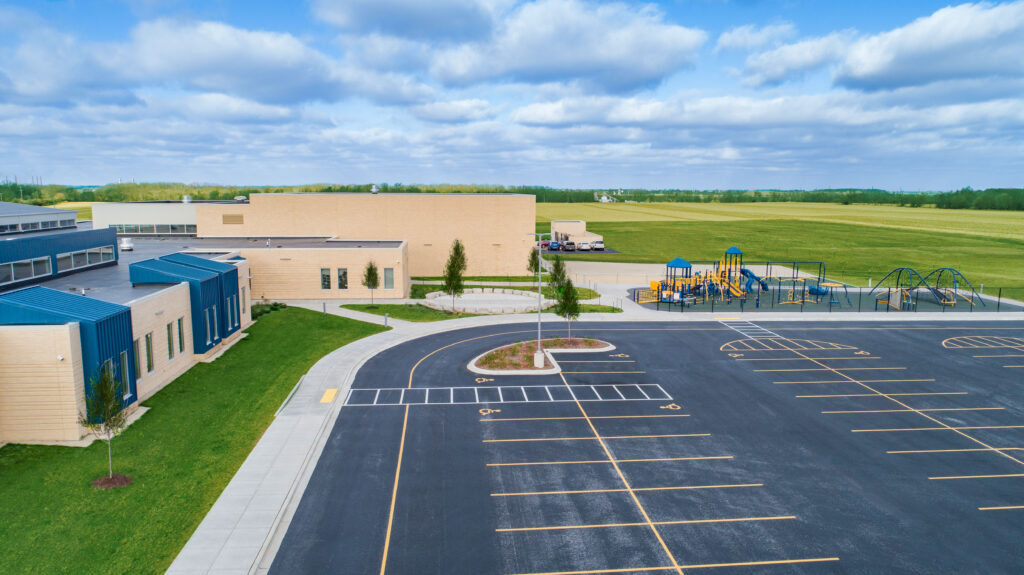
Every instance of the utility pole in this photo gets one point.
(538, 355)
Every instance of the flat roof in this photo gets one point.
(112, 283)
(79, 227)
(15, 209)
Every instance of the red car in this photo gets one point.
(545, 244)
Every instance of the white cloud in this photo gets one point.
(749, 37)
(433, 19)
(455, 111)
(793, 60)
(612, 46)
(222, 107)
(965, 41)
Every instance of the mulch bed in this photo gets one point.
(519, 356)
(112, 482)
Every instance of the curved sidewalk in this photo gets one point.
(241, 532)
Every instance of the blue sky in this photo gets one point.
(567, 93)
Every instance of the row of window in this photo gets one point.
(325, 278)
(24, 270)
(147, 341)
(32, 226)
(162, 229)
(84, 258)
(108, 366)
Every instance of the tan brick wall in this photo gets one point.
(285, 273)
(493, 227)
(151, 314)
(41, 396)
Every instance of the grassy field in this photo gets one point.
(532, 278)
(407, 312)
(84, 209)
(180, 455)
(856, 242)
(420, 291)
(997, 224)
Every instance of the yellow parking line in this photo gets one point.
(610, 461)
(957, 450)
(329, 395)
(917, 410)
(697, 566)
(889, 394)
(569, 418)
(602, 525)
(940, 428)
(979, 476)
(604, 372)
(675, 488)
(834, 369)
(595, 438)
(804, 358)
(1001, 507)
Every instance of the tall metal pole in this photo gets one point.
(538, 356)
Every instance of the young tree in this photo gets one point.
(371, 279)
(534, 263)
(557, 276)
(453, 270)
(104, 411)
(568, 304)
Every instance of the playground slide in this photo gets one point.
(736, 290)
(940, 297)
(751, 278)
(817, 290)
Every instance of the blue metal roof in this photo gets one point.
(679, 263)
(197, 262)
(168, 271)
(62, 303)
(734, 251)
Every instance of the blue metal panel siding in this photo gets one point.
(105, 329)
(228, 306)
(204, 293)
(35, 246)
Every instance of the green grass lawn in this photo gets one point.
(595, 308)
(852, 252)
(84, 209)
(407, 312)
(180, 456)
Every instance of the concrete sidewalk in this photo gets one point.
(242, 531)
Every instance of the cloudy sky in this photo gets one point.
(571, 93)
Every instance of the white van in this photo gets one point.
(597, 246)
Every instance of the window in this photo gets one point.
(135, 348)
(131, 228)
(232, 219)
(181, 334)
(64, 262)
(244, 309)
(26, 226)
(342, 278)
(190, 228)
(67, 223)
(149, 352)
(125, 379)
(163, 228)
(238, 320)
(170, 340)
(216, 325)
(6, 275)
(389, 278)
(107, 253)
(22, 270)
(206, 321)
(325, 278)
(147, 228)
(41, 267)
(108, 368)
(177, 228)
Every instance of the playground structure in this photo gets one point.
(901, 289)
(731, 279)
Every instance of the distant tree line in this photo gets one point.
(966, 198)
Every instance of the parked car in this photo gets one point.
(545, 244)
(584, 247)
(569, 247)
(597, 246)
(554, 246)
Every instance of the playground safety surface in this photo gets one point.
(728, 446)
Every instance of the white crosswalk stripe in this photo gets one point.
(506, 394)
(749, 329)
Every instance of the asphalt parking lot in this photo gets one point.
(799, 447)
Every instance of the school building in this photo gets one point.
(73, 304)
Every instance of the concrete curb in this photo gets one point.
(471, 366)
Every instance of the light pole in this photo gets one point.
(538, 356)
